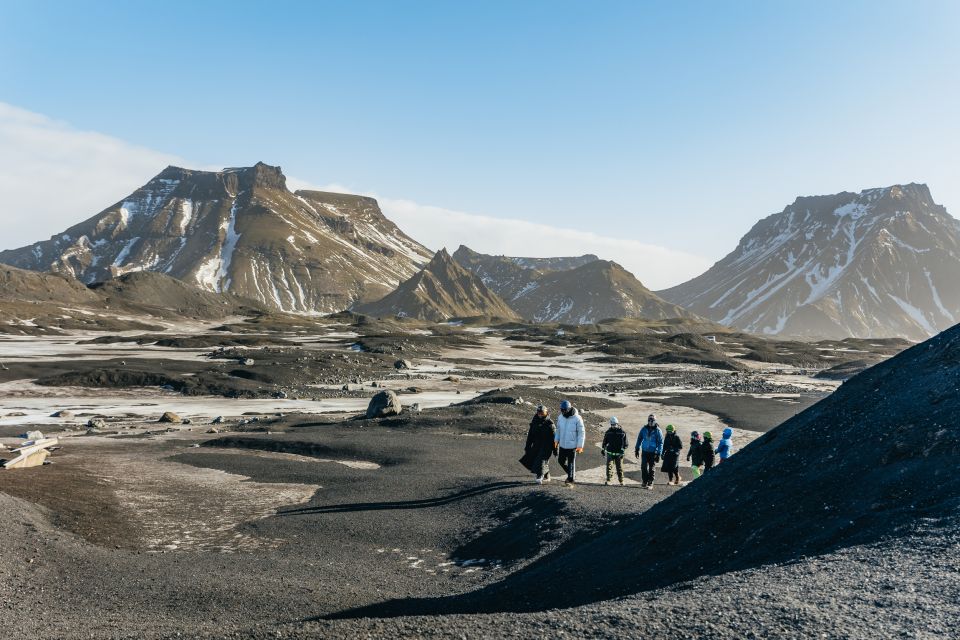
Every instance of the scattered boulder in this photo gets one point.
(96, 423)
(386, 403)
(415, 407)
(217, 420)
(187, 421)
(33, 435)
(280, 395)
(345, 387)
(414, 390)
(63, 414)
(170, 417)
(452, 379)
(402, 364)
(247, 362)
(213, 430)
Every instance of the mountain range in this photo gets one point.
(575, 290)
(240, 231)
(878, 263)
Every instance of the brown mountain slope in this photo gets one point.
(239, 230)
(440, 291)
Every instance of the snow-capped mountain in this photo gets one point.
(879, 263)
(239, 230)
(579, 290)
(440, 291)
(510, 276)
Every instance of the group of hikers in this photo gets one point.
(565, 439)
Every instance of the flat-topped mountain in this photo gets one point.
(879, 263)
(440, 291)
(239, 230)
(581, 290)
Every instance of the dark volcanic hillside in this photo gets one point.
(440, 291)
(874, 461)
(581, 290)
(239, 230)
(879, 263)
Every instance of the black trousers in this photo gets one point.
(648, 466)
(568, 461)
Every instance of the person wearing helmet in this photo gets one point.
(539, 447)
(650, 442)
(694, 456)
(569, 439)
(613, 448)
(706, 451)
(672, 445)
(725, 448)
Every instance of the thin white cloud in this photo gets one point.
(656, 267)
(53, 176)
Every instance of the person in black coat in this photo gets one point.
(706, 451)
(539, 447)
(694, 455)
(672, 445)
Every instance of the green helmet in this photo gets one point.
(707, 435)
(670, 427)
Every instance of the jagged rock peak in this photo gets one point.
(230, 181)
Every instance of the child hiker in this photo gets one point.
(706, 451)
(725, 448)
(694, 455)
(672, 445)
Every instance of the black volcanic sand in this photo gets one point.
(275, 370)
(871, 467)
(743, 412)
(438, 498)
(651, 345)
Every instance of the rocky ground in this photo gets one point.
(279, 510)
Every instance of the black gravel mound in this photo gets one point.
(874, 462)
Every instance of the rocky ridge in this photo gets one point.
(879, 263)
(241, 231)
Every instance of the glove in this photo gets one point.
(636, 452)
(579, 449)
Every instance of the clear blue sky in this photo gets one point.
(675, 123)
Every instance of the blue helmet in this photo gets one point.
(565, 405)
(727, 432)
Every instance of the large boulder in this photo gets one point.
(386, 403)
(170, 417)
(403, 364)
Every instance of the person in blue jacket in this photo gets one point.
(650, 443)
(725, 448)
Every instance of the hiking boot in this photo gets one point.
(621, 482)
(546, 477)
(539, 480)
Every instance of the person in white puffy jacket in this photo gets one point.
(569, 439)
